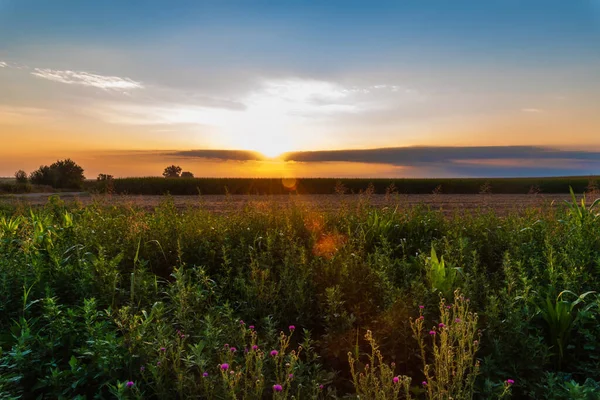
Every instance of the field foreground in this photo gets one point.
(300, 297)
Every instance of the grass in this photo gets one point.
(107, 301)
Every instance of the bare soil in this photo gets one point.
(503, 203)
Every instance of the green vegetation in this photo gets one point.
(61, 174)
(120, 302)
(186, 185)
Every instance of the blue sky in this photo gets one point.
(276, 76)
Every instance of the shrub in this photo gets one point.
(172, 171)
(62, 174)
(21, 176)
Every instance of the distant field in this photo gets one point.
(448, 203)
(220, 186)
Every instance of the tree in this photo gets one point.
(104, 177)
(41, 176)
(105, 183)
(172, 171)
(61, 174)
(21, 176)
(187, 174)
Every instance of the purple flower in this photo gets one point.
(396, 379)
(277, 388)
(233, 349)
(424, 383)
(224, 367)
(441, 325)
(142, 368)
(251, 327)
(129, 384)
(158, 363)
(510, 382)
(291, 376)
(432, 333)
(292, 328)
(205, 375)
(254, 347)
(421, 307)
(242, 322)
(163, 349)
(320, 387)
(226, 345)
(448, 307)
(274, 353)
(421, 318)
(457, 320)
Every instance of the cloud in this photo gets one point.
(22, 115)
(3, 64)
(226, 155)
(87, 79)
(483, 161)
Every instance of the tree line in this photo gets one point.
(67, 174)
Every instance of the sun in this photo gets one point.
(272, 150)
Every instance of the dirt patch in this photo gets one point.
(218, 203)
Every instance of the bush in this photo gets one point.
(63, 174)
(21, 176)
(172, 171)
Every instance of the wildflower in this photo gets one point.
(421, 307)
(421, 318)
(510, 382)
(242, 322)
(320, 387)
(457, 320)
(274, 353)
(291, 376)
(233, 349)
(448, 307)
(254, 347)
(224, 367)
(251, 327)
(129, 384)
(205, 375)
(432, 333)
(424, 383)
(163, 349)
(158, 363)
(142, 368)
(226, 345)
(292, 328)
(277, 388)
(442, 325)
(396, 379)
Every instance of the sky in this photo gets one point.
(128, 87)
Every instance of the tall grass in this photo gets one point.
(121, 302)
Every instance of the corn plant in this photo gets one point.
(580, 211)
(560, 316)
(440, 276)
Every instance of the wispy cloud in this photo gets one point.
(3, 64)
(21, 115)
(87, 79)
